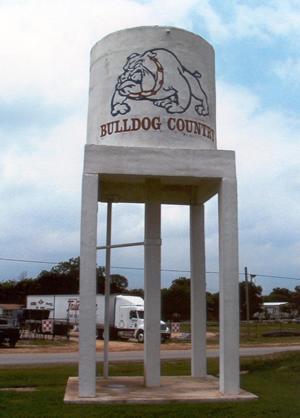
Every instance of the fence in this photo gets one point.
(248, 330)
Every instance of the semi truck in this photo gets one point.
(126, 317)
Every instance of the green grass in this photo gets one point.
(276, 380)
(253, 334)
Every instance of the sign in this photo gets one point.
(47, 326)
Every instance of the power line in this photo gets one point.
(17, 260)
(168, 270)
(269, 276)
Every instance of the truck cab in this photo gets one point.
(129, 318)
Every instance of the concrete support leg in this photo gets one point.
(152, 294)
(198, 291)
(229, 288)
(87, 323)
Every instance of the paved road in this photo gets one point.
(64, 358)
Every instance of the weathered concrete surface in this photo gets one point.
(198, 291)
(152, 285)
(107, 159)
(185, 176)
(152, 86)
(88, 258)
(229, 287)
(131, 390)
(204, 173)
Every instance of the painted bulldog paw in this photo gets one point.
(120, 109)
(201, 110)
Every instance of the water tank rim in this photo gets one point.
(147, 27)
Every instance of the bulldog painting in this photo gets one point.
(157, 75)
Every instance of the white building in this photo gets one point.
(273, 309)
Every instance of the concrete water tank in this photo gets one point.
(152, 87)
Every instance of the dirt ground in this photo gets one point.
(60, 345)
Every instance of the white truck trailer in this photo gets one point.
(126, 313)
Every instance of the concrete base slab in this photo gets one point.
(131, 390)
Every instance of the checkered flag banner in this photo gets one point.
(175, 327)
(47, 326)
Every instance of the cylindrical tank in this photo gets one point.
(152, 87)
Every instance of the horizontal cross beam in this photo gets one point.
(131, 244)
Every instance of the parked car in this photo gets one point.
(9, 333)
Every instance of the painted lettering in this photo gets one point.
(146, 124)
(103, 130)
(156, 123)
(171, 124)
(129, 125)
(180, 125)
(183, 126)
(135, 124)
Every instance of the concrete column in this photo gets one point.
(87, 319)
(152, 295)
(198, 291)
(229, 288)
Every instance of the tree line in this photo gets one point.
(63, 278)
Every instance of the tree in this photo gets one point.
(212, 301)
(23, 288)
(62, 279)
(70, 267)
(176, 300)
(7, 292)
(295, 300)
(137, 292)
(279, 294)
(118, 283)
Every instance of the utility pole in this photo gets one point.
(107, 292)
(247, 300)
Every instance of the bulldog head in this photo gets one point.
(141, 76)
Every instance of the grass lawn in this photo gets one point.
(276, 380)
(253, 333)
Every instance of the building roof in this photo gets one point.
(274, 303)
(10, 306)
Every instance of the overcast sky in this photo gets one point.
(44, 76)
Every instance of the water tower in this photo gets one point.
(151, 139)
